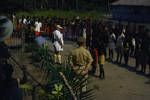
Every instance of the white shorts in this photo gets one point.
(57, 47)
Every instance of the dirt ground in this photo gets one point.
(121, 82)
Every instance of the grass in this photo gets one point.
(64, 14)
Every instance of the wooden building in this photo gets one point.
(131, 11)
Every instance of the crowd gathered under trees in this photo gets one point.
(116, 40)
(127, 40)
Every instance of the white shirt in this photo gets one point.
(84, 33)
(24, 21)
(20, 20)
(38, 26)
(58, 37)
(120, 40)
(133, 41)
(112, 37)
(111, 43)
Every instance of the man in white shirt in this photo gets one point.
(24, 21)
(58, 44)
(38, 26)
(111, 45)
(119, 46)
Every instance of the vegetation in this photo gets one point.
(64, 14)
(60, 81)
(79, 5)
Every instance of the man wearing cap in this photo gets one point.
(81, 59)
(58, 44)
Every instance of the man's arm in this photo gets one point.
(89, 62)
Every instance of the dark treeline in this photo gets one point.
(7, 5)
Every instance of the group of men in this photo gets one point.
(100, 36)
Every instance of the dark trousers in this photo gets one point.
(111, 54)
(102, 73)
(132, 53)
(137, 59)
(95, 62)
(143, 61)
(126, 56)
(119, 54)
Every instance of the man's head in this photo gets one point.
(81, 41)
(58, 27)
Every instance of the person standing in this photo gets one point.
(137, 51)
(38, 26)
(58, 44)
(119, 46)
(111, 45)
(133, 45)
(101, 64)
(126, 50)
(9, 89)
(144, 50)
(81, 59)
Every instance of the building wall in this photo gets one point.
(131, 13)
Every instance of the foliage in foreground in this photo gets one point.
(61, 83)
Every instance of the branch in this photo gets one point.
(67, 84)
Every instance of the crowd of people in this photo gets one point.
(98, 40)
(127, 40)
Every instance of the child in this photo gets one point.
(101, 64)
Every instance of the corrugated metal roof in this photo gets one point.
(132, 2)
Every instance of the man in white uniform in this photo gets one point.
(58, 44)
(38, 26)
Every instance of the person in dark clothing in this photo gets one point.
(8, 86)
(119, 47)
(144, 51)
(137, 51)
(94, 48)
(4, 54)
(126, 51)
(101, 64)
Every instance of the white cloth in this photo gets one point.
(20, 20)
(111, 43)
(84, 33)
(133, 41)
(25, 21)
(120, 40)
(38, 26)
(58, 37)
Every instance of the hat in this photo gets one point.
(81, 39)
(58, 26)
(6, 28)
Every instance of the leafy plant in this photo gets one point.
(57, 92)
(62, 82)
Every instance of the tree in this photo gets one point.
(55, 4)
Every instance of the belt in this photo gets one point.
(79, 65)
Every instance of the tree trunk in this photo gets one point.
(34, 4)
(57, 4)
(77, 4)
(62, 4)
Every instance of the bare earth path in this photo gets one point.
(121, 83)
